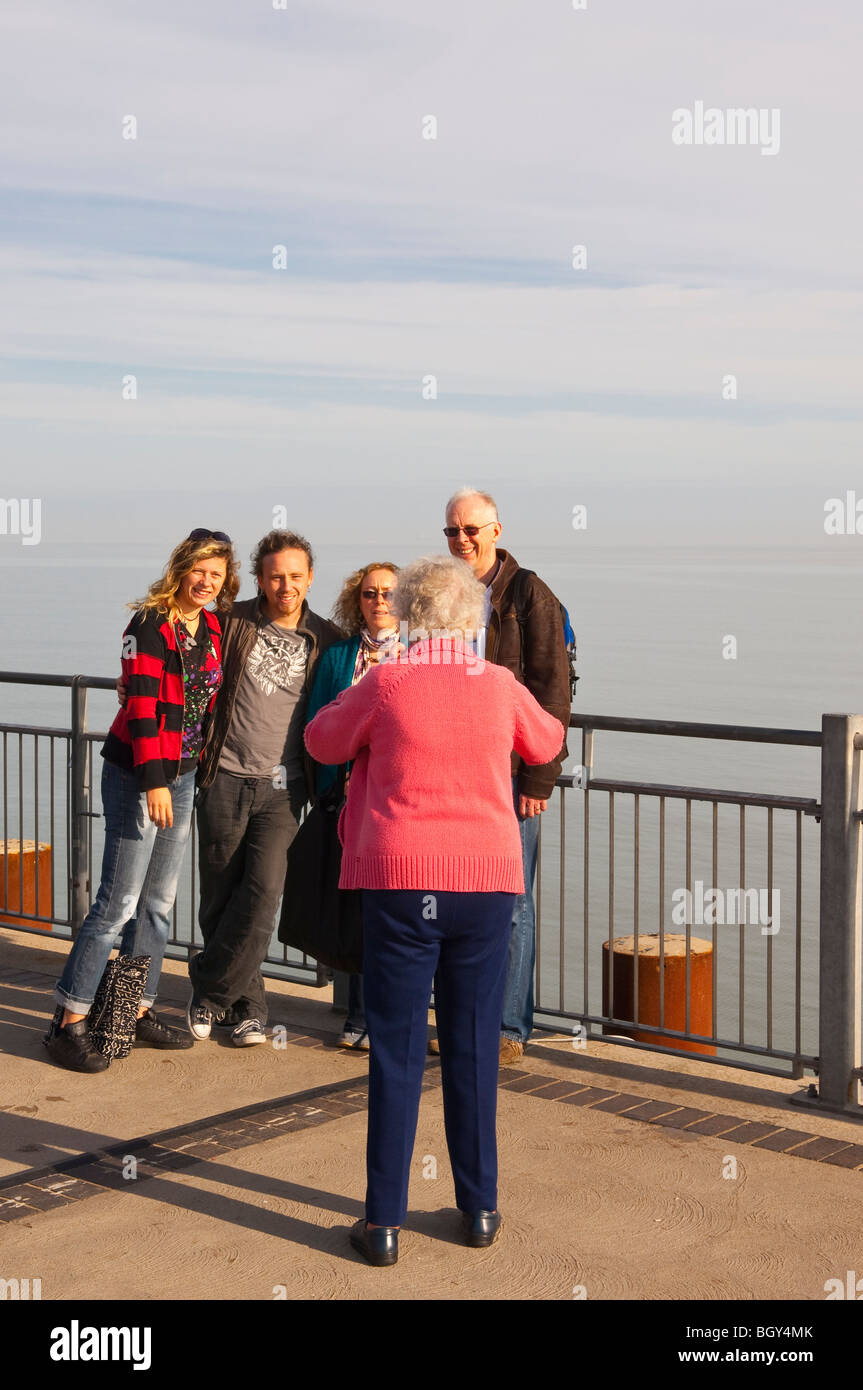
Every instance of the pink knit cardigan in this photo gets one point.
(430, 796)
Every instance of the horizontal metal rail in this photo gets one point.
(808, 805)
(607, 1022)
(65, 682)
(676, 728)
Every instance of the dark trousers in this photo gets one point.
(355, 1021)
(245, 827)
(459, 941)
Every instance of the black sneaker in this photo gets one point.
(248, 1033)
(153, 1032)
(72, 1047)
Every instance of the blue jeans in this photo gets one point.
(517, 1019)
(140, 870)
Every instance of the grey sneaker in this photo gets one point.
(355, 1039)
(248, 1033)
(199, 1019)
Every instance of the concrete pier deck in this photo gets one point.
(624, 1174)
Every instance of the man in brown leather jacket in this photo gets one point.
(252, 785)
(535, 651)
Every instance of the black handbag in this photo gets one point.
(114, 1011)
(319, 918)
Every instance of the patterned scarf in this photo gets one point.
(372, 650)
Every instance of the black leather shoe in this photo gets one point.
(152, 1032)
(380, 1246)
(480, 1228)
(72, 1047)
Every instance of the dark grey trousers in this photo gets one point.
(245, 827)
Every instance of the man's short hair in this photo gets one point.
(276, 541)
(465, 492)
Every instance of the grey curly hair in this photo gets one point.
(440, 593)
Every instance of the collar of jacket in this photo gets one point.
(504, 577)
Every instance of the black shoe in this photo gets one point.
(380, 1246)
(72, 1047)
(152, 1032)
(480, 1228)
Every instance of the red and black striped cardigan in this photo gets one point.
(147, 734)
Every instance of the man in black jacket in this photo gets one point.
(524, 632)
(252, 785)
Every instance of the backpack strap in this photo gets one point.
(519, 600)
(519, 596)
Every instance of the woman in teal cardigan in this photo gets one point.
(363, 610)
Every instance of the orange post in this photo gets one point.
(23, 863)
(674, 975)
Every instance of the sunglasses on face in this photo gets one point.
(203, 533)
(471, 531)
(386, 594)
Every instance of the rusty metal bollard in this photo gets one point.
(674, 975)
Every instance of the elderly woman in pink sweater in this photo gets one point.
(429, 833)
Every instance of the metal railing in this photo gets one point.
(57, 768)
(782, 1000)
(647, 807)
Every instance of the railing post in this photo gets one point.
(79, 797)
(840, 1008)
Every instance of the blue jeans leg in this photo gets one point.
(130, 838)
(517, 1019)
(148, 931)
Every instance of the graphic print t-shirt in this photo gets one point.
(266, 729)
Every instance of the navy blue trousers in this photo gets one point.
(459, 942)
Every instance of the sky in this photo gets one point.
(145, 267)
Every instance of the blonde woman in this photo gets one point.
(172, 669)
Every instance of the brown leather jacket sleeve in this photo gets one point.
(546, 674)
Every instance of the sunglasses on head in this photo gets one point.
(203, 533)
(468, 530)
